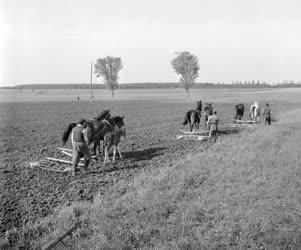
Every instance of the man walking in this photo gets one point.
(267, 112)
(213, 124)
(80, 148)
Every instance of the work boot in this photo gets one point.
(86, 170)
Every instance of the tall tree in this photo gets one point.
(109, 67)
(187, 66)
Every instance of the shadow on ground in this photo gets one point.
(146, 154)
(129, 159)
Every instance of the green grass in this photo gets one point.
(243, 192)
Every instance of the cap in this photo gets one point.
(82, 121)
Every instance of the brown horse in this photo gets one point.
(239, 111)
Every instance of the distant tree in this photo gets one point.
(186, 65)
(109, 67)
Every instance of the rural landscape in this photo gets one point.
(241, 191)
(150, 125)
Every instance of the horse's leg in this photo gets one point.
(120, 156)
(94, 148)
(106, 155)
(114, 153)
(105, 159)
(192, 122)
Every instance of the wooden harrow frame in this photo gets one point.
(243, 123)
(199, 135)
(57, 165)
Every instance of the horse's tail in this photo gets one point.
(67, 132)
(186, 119)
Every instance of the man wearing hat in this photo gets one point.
(79, 145)
(213, 124)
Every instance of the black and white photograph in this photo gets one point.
(162, 124)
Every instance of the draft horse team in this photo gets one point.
(193, 117)
(89, 133)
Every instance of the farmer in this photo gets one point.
(213, 124)
(266, 112)
(79, 145)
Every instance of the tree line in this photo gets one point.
(185, 64)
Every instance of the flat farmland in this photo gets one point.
(31, 129)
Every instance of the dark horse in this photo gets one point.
(239, 111)
(105, 114)
(193, 117)
(208, 110)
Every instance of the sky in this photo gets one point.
(54, 41)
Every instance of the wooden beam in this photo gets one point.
(70, 154)
(197, 132)
(62, 161)
(193, 137)
(245, 121)
(58, 240)
(66, 149)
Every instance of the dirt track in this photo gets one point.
(30, 132)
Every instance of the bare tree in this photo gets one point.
(186, 65)
(109, 67)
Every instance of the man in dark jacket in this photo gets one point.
(267, 112)
(79, 145)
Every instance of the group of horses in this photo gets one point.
(253, 114)
(96, 129)
(193, 117)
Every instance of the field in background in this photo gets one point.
(275, 95)
(165, 193)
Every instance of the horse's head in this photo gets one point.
(240, 106)
(199, 105)
(118, 121)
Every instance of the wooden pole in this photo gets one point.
(57, 241)
(91, 84)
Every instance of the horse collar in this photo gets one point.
(106, 122)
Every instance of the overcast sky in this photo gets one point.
(53, 41)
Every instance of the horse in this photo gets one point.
(255, 111)
(193, 117)
(105, 114)
(96, 135)
(208, 110)
(239, 111)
